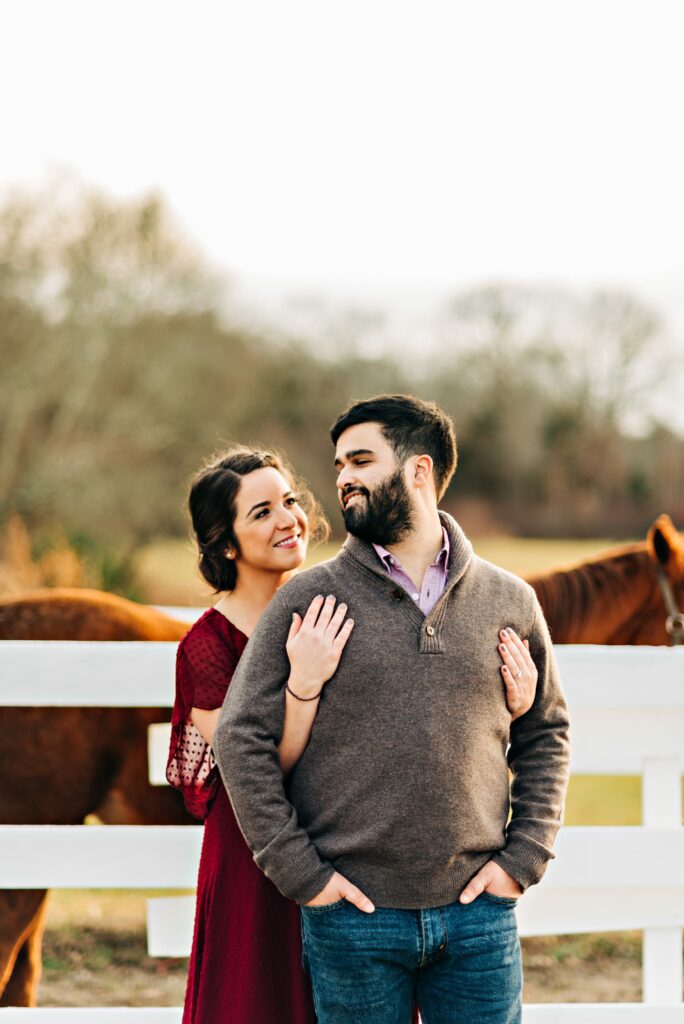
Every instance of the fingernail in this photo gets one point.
(502, 647)
(331, 597)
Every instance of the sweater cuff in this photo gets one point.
(524, 859)
(299, 879)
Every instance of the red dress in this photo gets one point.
(245, 966)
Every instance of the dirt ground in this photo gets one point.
(95, 955)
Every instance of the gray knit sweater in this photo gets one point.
(404, 787)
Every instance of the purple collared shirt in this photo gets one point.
(434, 581)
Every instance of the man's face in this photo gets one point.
(371, 488)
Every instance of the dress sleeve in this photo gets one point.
(205, 664)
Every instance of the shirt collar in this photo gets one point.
(460, 551)
(441, 561)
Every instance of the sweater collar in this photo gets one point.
(461, 551)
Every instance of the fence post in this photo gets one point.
(661, 807)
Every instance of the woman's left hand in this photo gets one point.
(519, 672)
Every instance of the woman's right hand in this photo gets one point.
(315, 644)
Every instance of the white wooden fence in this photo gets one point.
(627, 708)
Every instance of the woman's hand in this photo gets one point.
(519, 673)
(315, 644)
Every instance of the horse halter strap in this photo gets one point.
(674, 624)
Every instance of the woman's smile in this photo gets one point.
(289, 542)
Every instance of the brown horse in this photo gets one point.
(68, 762)
(618, 597)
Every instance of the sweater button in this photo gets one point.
(430, 630)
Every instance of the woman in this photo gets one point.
(252, 533)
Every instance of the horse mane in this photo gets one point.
(574, 595)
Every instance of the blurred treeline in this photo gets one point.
(122, 369)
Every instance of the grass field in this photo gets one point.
(166, 569)
(95, 943)
(95, 955)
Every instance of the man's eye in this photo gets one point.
(362, 462)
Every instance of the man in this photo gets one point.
(394, 832)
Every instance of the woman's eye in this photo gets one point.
(260, 515)
(292, 500)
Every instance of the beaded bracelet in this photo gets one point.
(297, 697)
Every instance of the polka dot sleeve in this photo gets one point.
(207, 668)
(205, 664)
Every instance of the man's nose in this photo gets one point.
(345, 477)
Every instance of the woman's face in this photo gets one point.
(270, 526)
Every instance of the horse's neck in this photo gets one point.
(598, 602)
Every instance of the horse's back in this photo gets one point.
(75, 614)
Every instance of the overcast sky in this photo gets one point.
(372, 145)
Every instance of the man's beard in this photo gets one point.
(383, 516)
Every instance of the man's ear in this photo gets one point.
(422, 470)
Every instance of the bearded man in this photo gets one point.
(425, 803)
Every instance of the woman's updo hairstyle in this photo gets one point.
(213, 491)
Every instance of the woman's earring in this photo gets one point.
(229, 553)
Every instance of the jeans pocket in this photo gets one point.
(509, 901)
(323, 908)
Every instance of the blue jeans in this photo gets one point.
(461, 963)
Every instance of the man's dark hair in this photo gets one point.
(412, 427)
